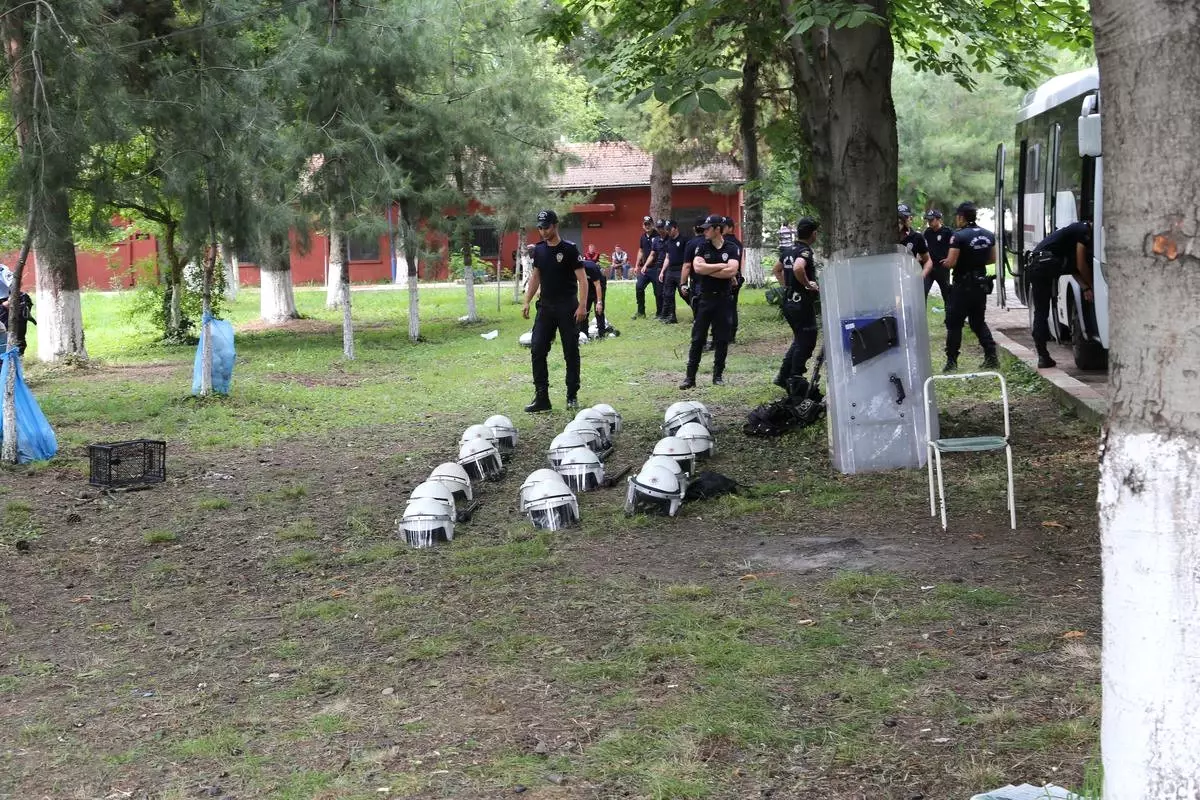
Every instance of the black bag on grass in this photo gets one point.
(707, 485)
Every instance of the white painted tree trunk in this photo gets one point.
(334, 265)
(8, 424)
(414, 308)
(1150, 468)
(59, 313)
(347, 324)
(206, 355)
(519, 266)
(277, 300)
(229, 269)
(752, 266)
(401, 260)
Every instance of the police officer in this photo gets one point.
(559, 280)
(912, 241)
(1064, 251)
(796, 271)
(597, 283)
(727, 232)
(937, 240)
(645, 248)
(687, 277)
(972, 249)
(717, 266)
(672, 273)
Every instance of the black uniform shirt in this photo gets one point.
(975, 246)
(1062, 242)
(594, 275)
(712, 255)
(674, 247)
(644, 244)
(938, 243)
(556, 268)
(790, 256)
(689, 249)
(914, 243)
(658, 245)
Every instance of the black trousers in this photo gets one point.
(650, 277)
(733, 312)
(712, 311)
(1042, 289)
(968, 303)
(555, 317)
(803, 320)
(670, 288)
(940, 276)
(601, 323)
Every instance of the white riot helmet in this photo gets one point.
(675, 448)
(542, 475)
(678, 415)
(478, 432)
(561, 445)
(583, 338)
(654, 490)
(426, 522)
(504, 433)
(435, 490)
(456, 478)
(669, 464)
(551, 505)
(481, 460)
(610, 414)
(590, 436)
(525, 339)
(698, 438)
(598, 423)
(582, 470)
(706, 418)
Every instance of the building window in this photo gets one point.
(686, 217)
(487, 239)
(362, 248)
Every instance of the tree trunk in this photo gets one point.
(752, 238)
(60, 318)
(400, 255)
(347, 319)
(277, 301)
(660, 188)
(206, 353)
(519, 265)
(410, 247)
(469, 277)
(842, 78)
(16, 332)
(1150, 463)
(173, 295)
(336, 263)
(229, 272)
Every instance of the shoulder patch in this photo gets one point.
(724, 256)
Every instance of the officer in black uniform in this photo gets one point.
(717, 265)
(796, 271)
(912, 241)
(727, 232)
(672, 273)
(645, 247)
(1064, 251)
(562, 305)
(971, 251)
(688, 275)
(937, 240)
(597, 283)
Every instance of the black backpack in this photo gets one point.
(803, 406)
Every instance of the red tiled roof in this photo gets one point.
(599, 165)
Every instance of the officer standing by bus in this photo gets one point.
(1064, 251)
(558, 278)
(972, 249)
(796, 272)
(937, 241)
(717, 266)
(672, 272)
(645, 247)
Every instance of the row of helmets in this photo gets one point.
(445, 498)
(547, 496)
(660, 485)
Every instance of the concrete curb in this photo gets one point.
(1090, 404)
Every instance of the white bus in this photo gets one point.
(1057, 179)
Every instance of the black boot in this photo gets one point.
(541, 402)
(951, 365)
(990, 361)
(572, 402)
(688, 383)
(798, 388)
(781, 381)
(1044, 359)
(718, 380)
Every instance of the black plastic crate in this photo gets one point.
(134, 463)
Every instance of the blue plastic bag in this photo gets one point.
(35, 437)
(222, 357)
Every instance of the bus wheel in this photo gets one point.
(1089, 354)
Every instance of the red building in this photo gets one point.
(615, 174)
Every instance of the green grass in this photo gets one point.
(159, 537)
(861, 584)
(220, 744)
(297, 559)
(212, 504)
(324, 610)
(17, 523)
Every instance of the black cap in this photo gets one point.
(713, 221)
(700, 221)
(546, 218)
(727, 222)
(662, 223)
(806, 227)
(647, 220)
(903, 211)
(672, 224)
(967, 210)
(933, 213)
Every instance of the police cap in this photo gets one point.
(727, 222)
(662, 223)
(546, 218)
(806, 227)
(647, 220)
(933, 213)
(712, 221)
(903, 211)
(672, 224)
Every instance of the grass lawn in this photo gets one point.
(253, 628)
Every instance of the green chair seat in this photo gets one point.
(971, 444)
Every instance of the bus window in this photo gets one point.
(1033, 170)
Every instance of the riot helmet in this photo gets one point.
(567, 440)
(678, 450)
(611, 414)
(426, 522)
(582, 470)
(598, 421)
(678, 415)
(504, 433)
(478, 432)
(698, 438)
(454, 476)
(437, 491)
(587, 432)
(481, 460)
(551, 506)
(654, 490)
(670, 465)
(537, 476)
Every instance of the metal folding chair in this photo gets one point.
(969, 444)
